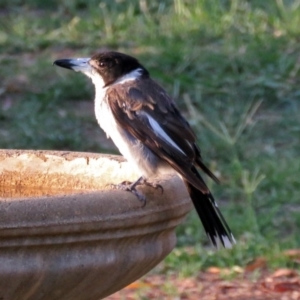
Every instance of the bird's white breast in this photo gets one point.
(145, 162)
(107, 122)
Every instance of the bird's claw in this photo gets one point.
(131, 187)
(139, 195)
(154, 185)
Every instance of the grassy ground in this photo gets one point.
(232, 66)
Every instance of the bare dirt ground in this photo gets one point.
(282, 284)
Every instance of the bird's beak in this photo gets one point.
(76, 64)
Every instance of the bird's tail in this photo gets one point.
(213, 222)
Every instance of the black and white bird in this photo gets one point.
(150, 132)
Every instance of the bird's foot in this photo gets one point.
(153, 185)
(131, 187)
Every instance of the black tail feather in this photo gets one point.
(213, 222)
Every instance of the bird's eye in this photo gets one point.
(101, 64)
(104, 63)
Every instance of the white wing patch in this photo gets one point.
(133, 75)
(160, 132)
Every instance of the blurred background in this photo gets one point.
(233, 69)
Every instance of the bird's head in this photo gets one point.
(106, 67)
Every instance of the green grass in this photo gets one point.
(233, 68)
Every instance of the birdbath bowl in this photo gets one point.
(66, 234)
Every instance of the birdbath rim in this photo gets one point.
(64, 244)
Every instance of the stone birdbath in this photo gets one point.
(65, 234)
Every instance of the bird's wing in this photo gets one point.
(145, 110)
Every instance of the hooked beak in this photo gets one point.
(75, 64)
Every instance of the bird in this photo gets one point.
(147, 127)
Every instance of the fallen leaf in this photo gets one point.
(213, 270)
(283, 287)
(292, 253)
(137, 285)
(284, 273)
(258, 263)
(237, 269)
